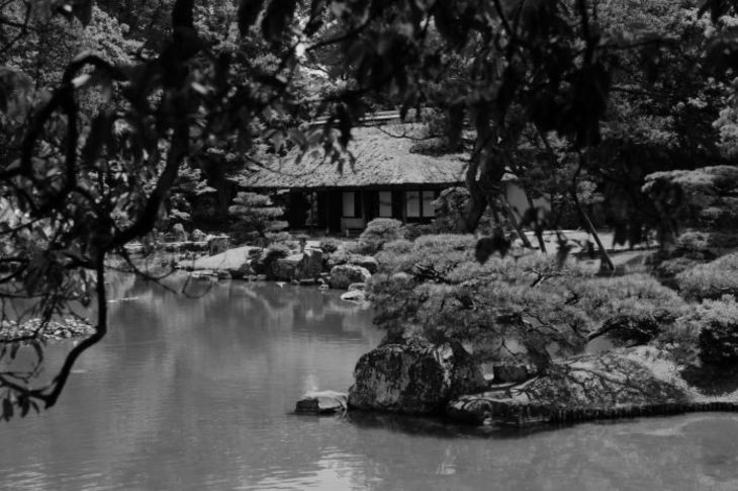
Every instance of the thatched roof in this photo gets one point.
(382, 158)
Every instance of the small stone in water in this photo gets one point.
(325, 402)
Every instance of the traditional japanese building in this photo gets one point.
(390, 178)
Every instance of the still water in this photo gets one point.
(197, 394)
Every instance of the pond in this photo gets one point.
(197, 394)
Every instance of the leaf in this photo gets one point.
(248, 12)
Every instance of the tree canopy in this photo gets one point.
(107, 106)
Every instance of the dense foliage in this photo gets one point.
(113, 114)
(507, 308)
(711, 280)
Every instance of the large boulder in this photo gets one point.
(344, 275)
(413, 378)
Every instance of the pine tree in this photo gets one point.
(256, 215)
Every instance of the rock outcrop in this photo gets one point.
(344, 275)
(413, 378)
(613, 384)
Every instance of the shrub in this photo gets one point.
(704, 245)
(438, 288)
(280, 237)
(360, 247)
(440, 243)
(437, 253)
(681, 339)
(330, 245)
(256, 215)
(667, 271)
(394, 248)
(492, 318)
(269, 257)
(340, 256)
(379, 231)
(530, 269)
(412, 231)
(449, 208)
(700, 197)
(635, 295)
(716, 322)
(525, 307)
(711, 280)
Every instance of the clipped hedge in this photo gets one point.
(710, 280)
(634, 295)
(718, 338)
(378, 232)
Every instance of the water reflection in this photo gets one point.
(190, 394)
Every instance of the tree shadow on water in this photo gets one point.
(442, 428)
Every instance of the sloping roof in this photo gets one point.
(383, 158)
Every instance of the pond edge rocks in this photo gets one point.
(421, 379)
(309, 266)
(414, 378)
